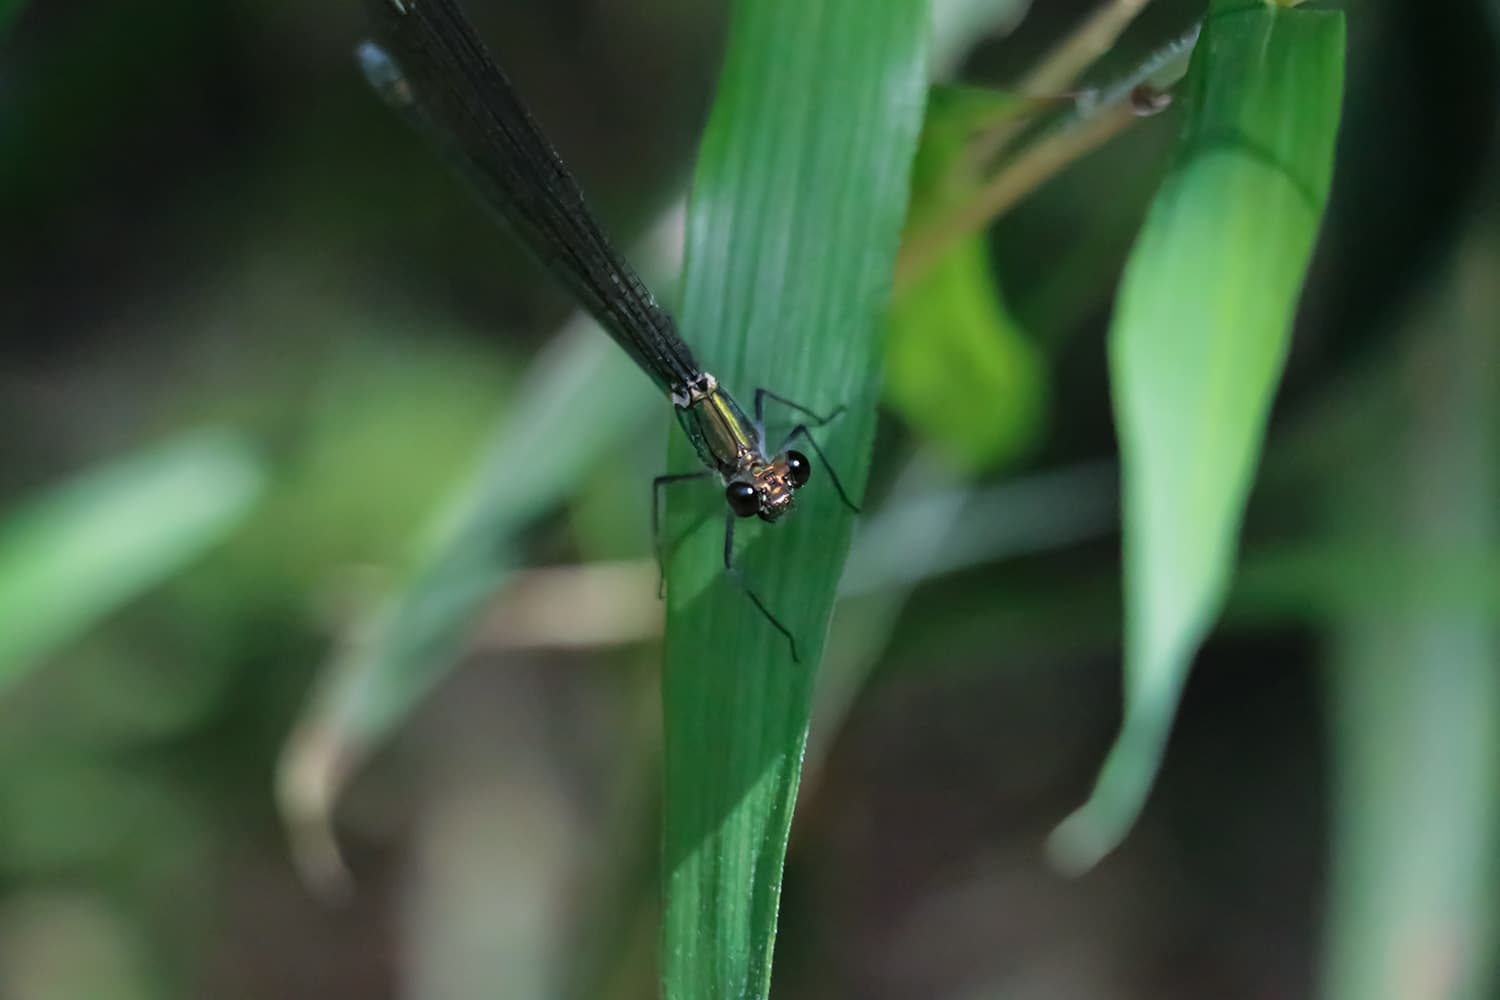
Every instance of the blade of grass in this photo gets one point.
(77, 553)
(1197, 348)
(795, 215)
(1414, 686)
(577, 401)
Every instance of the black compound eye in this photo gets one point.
(798, 467)
(743, 499)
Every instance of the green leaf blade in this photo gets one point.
(795, 216)
(1414, 735)
(79, 552)
(1197, 348)
(573, 406)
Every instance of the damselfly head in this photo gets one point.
(769, 490)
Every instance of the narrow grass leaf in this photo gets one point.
(85, 548)
(1414, 689)
(1197, 348)
(793, 224)
(577, 401)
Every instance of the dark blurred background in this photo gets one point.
(206, 219)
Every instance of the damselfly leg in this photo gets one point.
(761, 395)
(738, 578)
(804, 430)
(657, 532)
(657, 485)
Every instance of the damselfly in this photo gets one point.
(430, 65)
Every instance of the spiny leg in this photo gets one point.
(801, 431)
(656, 545)
(761, 395)
(739, 578)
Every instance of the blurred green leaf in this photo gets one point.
(959, 368)
(1197, 348)
(79, 552)
(1415, 691)
(940, 177)
(958, 26)
(1323, 582)
(67, 812)
(573, 406)
(795, 216)
(1026, 515)
(362, 475)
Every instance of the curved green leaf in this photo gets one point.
(1197, 348)
(79, 552)
(574, 405)
(793, 224)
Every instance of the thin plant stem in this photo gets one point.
(1099, 116)
(1020, 177)
(1060, 69)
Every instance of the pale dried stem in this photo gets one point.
(574, 607)
(1028, 171)
(1060, 69)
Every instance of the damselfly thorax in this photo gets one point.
(733, 445)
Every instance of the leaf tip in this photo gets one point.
(307, 780)
(1081, 841)
(1099, 826)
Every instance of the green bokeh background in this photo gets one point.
(206, 222)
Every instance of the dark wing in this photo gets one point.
(432, 68)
